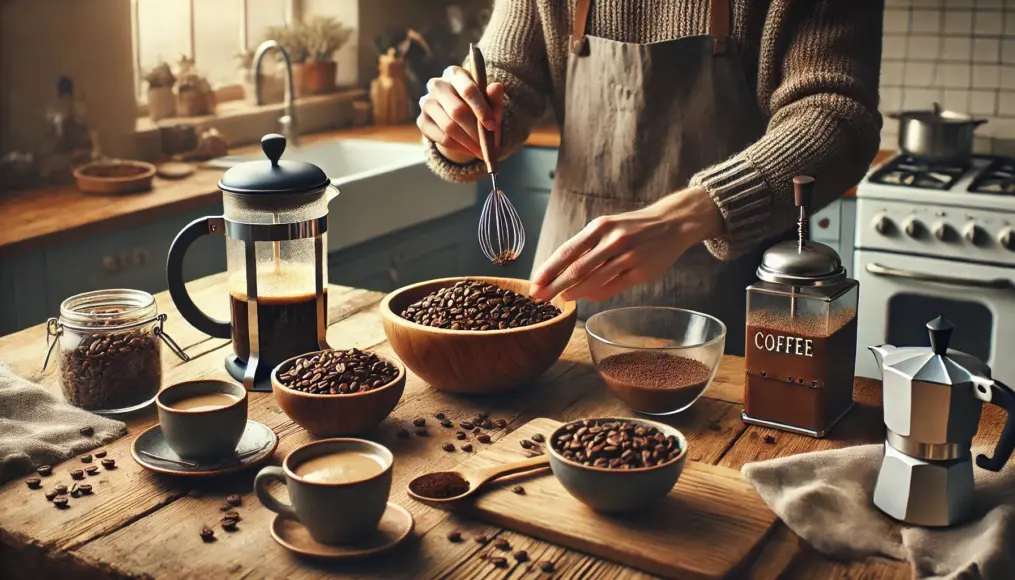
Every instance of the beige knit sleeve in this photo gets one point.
(515, 53)
(818, 86)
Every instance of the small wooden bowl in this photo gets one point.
(470, 361)
(115, 176)
(335, 415)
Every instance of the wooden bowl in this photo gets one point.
(334, 415)
(470, 361)
(115, 176)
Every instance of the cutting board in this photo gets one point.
(710, 524)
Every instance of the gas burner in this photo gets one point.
(997, 179)
(913, 172)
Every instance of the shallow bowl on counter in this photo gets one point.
(334, 415)
(647, 336)
(618, 490)
(468, 361)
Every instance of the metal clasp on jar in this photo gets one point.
(55, 328)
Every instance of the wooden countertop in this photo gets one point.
(140, 525)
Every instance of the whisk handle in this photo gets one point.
(477, 67)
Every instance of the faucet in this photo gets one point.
(290, 129)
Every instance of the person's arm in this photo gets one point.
(824, 120)
(515, 53)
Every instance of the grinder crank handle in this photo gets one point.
(477, 68)
(1000, 394)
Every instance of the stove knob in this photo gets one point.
(883, 225)
(1007, 239)
(944, 232)
(914, 228)
(974, 234)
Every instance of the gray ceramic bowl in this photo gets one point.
(616, 490)
(202, 434)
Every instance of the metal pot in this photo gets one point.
(936, 135)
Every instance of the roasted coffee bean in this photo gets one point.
(111, 369)
(769, 439)
(482, 539)
(109, 463)
(421, 431)
(466, 425)
(477, 431)
(61, 502)
(50, 495)
(499, 561)
(92, 470)
(502, 544)
(449, 447)
(484, 438)
(87, 431)
(518, 489)
(45, 470)
(525, 443)
(234, 500)
(60, 489)
(100, 453)
(447, 424)
(402, 433)
(207, 534)
(454, 536)
(487, 424)
(546, 566)
(440, 416)
(616, 444)
(85, 489)
(86, 458)
(460, 435)
(228, 525)
(478, 306)
(419, 421)
(33, 482)
(75, 490)
(500, 423)
(77, 474)
(521, 555)
(467, 448)
(538, 438)
(337, 372)
(232, 515)
(225, 507)
(482, 415)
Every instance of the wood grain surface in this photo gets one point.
(141, 525)
(676, 538)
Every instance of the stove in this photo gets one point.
(936, 239)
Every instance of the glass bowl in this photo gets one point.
(657, 360)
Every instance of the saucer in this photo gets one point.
(395, 527)
(256, 446)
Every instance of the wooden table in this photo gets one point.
(141, 525)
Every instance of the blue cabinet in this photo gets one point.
(834, 226)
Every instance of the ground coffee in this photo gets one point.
(655, 381)
(477, 305)
(439, 485)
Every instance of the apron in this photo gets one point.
(640, 120)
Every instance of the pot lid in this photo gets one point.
(273, 175)
(806, 264)
(936, 363)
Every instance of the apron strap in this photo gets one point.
(581, 18)
(718, 25)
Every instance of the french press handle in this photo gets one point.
(178, 288)
(1000, 394)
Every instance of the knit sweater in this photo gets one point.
(813, 66)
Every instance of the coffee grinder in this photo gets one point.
(932, 403)
(275, 222)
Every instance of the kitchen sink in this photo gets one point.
(384, 187)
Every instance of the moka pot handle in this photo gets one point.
(998, 393)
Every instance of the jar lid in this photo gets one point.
(806, 264)
(273, 176)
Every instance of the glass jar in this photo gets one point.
(108, 349)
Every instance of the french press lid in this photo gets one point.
(274, 175)
(936, 364)
(801, 262)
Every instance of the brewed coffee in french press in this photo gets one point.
(275, 222)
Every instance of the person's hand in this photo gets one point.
(614, 253)
(450, 109)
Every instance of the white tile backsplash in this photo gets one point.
(1008, 51)
(897, 21)
(987, 23)
(924, 48)
(1006, 105)
(891, 100)
(955, 99)
(986, 76)
(982, 102)
(920, 98)
(926, 21)
(953, 75)
(894, 47)
(986, 50)
(958, 21)
(891, 73)
(1008, 78)
(955, 48)
(1009, 22)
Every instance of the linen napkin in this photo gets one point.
(826, 498)
(37, 428)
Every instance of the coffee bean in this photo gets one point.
(482, 415)
(33, 482)
(60, 489)
(546, 566)
(109, 463)
(86, 458)
(482, 539)
(521, 555)
(228, 525)
(769, 439)
(421, 431)
(525, 443)
(477, 431)
(500, 423)
(440, 416)
(499, 561)
(77, 474)
(225, 507)
(419, 421)
(466, 425)
(447, 424)
(85, 489)
(454, 536)
(61, 502)
(234, 500)
(467, 448)
(502, 544)
(231, 515)
(402, 433)
(92, 470)
(538, 438)
(518, 489)
(111, 369)
(484, 438)
(475, 305)
(449, 447)
(45, 470)
(87, 431)
(50, 495)
(207, 534)
(487, 424)
(100, 453)
(74, 490)
(337, 372)
(460, 435)
(616, 444)
(195, 493)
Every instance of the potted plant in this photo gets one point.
(194, 95)
(161, 100)
(293, 41)
(323, 36)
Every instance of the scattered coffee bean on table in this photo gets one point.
(402, 433)
(225, 507)
(61, 502)
(86, 489)
(525, 443)
(460, 435)
(50, 495)
(655, 382)
(440, 416)
(207, 534)
(482, 415)
(769, 439)
(439, 485)
(518, 489)
(337, 372)
(60, 489)
(615, 444)
(482, 539)
(484, 438)
(477, 305)
(77, 474)
(454, 536)
(502, 544)
(500, 423)
(421, 431)
(109, 463)
(87, 431)
(447, 424)
(521, 556)
(419, 421)
(487, 424)
(449, 447)
(232, 515)
(100, 453)
(45, 470)
(466, 425)
(86, 458)
(477, 431)
(74, 490)
(234, 500)
(467, 448)
(92, 470)
(228, 525)
(546, 566)
(33, 482)
(538, 438)
(499, 561)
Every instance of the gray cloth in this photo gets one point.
(37, 428)
(826, 498)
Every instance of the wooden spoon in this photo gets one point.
(477, 479)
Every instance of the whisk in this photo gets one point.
(501, 232)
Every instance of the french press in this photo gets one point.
(275, 221)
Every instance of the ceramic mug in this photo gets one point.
(333, 513)
(202, 434)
